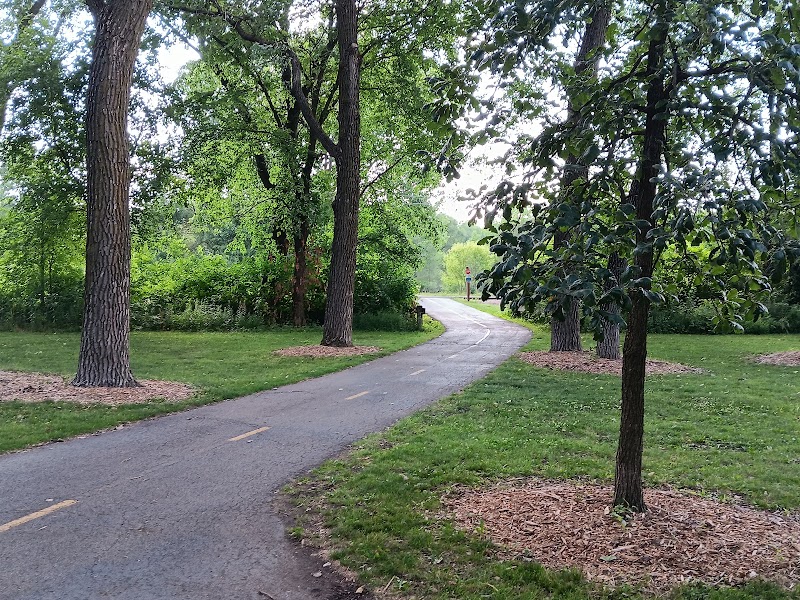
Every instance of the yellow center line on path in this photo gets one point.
(248, 434)
(35, 515)
(354, 396)
(418, 372)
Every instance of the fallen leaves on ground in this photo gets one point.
(38, 387)
(317, 351)
(681, 538)
(784, 359)
(587, 362)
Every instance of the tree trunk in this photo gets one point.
(338, 324)
(628, 490)
(42, 264)
(566, 334)
(104, 358)
(300, 276)
(608, 347)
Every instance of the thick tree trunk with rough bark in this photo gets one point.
(338, 324)
(628, 490)
(104, 355)
(608, 347)
(566, 334)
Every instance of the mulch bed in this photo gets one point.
(38, 387)
(681, 539)
(587, 362)
(327, 351)
(784, 359)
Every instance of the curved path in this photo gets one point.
(180, 507)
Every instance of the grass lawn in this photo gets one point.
(730, 432)
(221, 365)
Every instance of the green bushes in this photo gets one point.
(201, 317)
(684, 318)
(782, 318)
(56, 302)
(697, 318)
(383, 290)
(385, 321)
(177, 289)
(174, 289)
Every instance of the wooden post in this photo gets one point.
(420, 311)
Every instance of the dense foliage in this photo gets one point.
(231, 193)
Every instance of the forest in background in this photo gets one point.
(231, 220)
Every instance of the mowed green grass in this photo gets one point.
(731, 432)
(220, 365)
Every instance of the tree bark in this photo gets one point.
(338, 324)
(104, 358)
(566, 334)
(300, 275)
(628, 491)
(608, 347)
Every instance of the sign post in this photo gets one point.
(468, 279)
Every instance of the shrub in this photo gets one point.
(60, 307)
(696, 318)
(385, 321)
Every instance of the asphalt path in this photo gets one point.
(181, 507)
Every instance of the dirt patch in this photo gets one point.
(682, 538)
(784, 359)
(587, 362)
(327, 351)
(37, 387)
(302, 508)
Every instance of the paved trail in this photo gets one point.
(179, 507)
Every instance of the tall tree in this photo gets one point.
(252, 115)
(565, 324)
(346, 151)
(390, 25)
(628, 473)
(337, 329)
(695, 124)
(104, 358)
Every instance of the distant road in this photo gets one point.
(180, 507)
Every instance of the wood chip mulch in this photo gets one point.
(327, 351)
(587, 362)
(784, 359)
(38, 387)
(681, 539)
